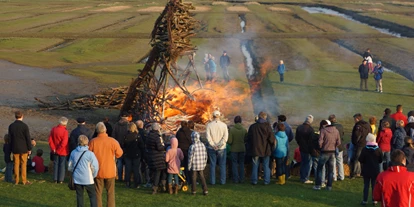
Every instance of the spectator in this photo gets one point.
(399, 115)
(58, 142)
(38, 162)
(398, 136)
(280, 153)
(237, 140)
(339, 155)
(144, 157)
(197, 160)
(224, 64)
(408, 150)
(156, 159)
(262, 140)
(409, 128)
(81, 129)
(21, 147)
(87, 168)
(384, 143)
(290, 135)
(108, 126)
(303, 137)
(387, 117)
(119, 132)
(105, 149)
(206, 67)
(396, 177)
(372, 122)
(363, 74)
(378, 71)
(359, 133)
(173, 157)
(7, 159)
(281, 71)
(133, 149)
(371, 159)
(217, 136)
(184, 141)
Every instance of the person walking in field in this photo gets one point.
(281, 71)
(58, 142)
(224, 64)
(363, 75)
(378, 71)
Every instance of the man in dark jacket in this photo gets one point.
(80, 130)
(339, 155)
(224, 64)
(184, 141)
(386, 117)
(119, 132)
(21, 146)
(363, 74)
(262, 141)
(156, 151)
(359, 133)
(303, 137)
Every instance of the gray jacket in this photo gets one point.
(329, 139)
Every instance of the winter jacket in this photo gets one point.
(329, 139)
(394, 187)
(363, 71)
(409, 154)
(133, 145)
(288, 131)
(304, 134)
(217, 134)
(359, 133)
(398, 138)
(389, 120)
(224, 61)
(366, 55)
(106, 149)
(212, 65)
(19, 137)
(184, 138)
(88, 166)
(371, 157)
(197, 154)
(7, 153)
(156, 150)
(173, 157)
(314, 146)
(399, 116)
(74, 135)
(408, 128)
(340, 129)
(58, 140)
(237, 138)
(120, 131)
(384, 140)
(281, 69)
(282, 145)
(261, 139)
(38, 163)
(378, 71)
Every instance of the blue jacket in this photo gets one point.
(378, 71)
(282, 145)
(212, 65)
(88, 167)
(281, 69)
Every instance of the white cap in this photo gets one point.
(216, 113)
(329, 122)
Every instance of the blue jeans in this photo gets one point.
(133, 165)
(213, 156)
(305, 166)
(237, 159)
(59, 168)
(315, 161)
(8, 177)
(386, 159)
(280, 166)
(170, 177)
(120, 167)
(90, 189)
(266, 169)
(329, 159)
(340, 163)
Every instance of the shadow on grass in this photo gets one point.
(7, 201)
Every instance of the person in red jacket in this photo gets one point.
(399, 115)
(58, 142)
(395, 186)
(384, 143)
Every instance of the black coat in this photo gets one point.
(370, 158)
(409, 154)
(120, 131)
(408, 128)
(74, 135)
(261, 139)
(340, 129)
(19, 137)
(389, 120)
(7, 153)
(363, 71)
(304, 135)
(184, 138)
(133, 145)
(156, 152)
(359, 133)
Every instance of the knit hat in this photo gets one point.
(309, 119)
(370, 138)
(411, 119)
(379, 63)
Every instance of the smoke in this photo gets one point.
(249, 62)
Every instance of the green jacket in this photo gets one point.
(237, 138)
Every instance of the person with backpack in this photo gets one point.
(359, 133)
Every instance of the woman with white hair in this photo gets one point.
(58, 142)
(84, 167)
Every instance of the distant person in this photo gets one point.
(212, 67)
(197, 160)
(281, 71)
(87, 168)
(409, 128)
(398, 136)
(280, 153)
(38, 162)
(378, 71)
(368, 57)
(363, 74)
(8, 175)
(237, 140)
(173, 157)
(399, 115)
(224, 64)
(133, 150)
(81, 129)
(106, 150)
(58, 142)
(119, 132)
(408, 150)
(21, 146)
(371, 159)
(394, 186)
(387, 117)
(359, 132)
(303, 137)
(384, 142)
(206, 67)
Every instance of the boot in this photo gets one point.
(154, 190)
(163, 185)
(176, 188)
(170, 189)
(279, 180)
(283, 181)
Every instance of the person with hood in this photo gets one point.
(237, 140)
(371, 159)
(398, 136)
(399, 114)
(173, 158)
(394, 186)
(81, 129)
(280, 153)
(87, 168)
(384, 143)
(281, 71)
(329, 140)
(363, 74)
(359, 133)
(339, 155)
(408, 150)
(197, 160)
(119, 132)
(58, 142)
(261, 139)
(387, 117)
(156, 159)
(409, 128)
(184, 141)
(133, 150)
(224, 64)
(304, 134)
(378, 71)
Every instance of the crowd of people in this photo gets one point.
(157, 160)
(211, 68)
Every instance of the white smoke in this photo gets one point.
(249, 61)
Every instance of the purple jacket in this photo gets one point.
(329, 139)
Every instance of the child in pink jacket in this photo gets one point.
(173, 158)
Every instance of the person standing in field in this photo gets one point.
(184, 141)
(289, 132)
(304, 134)
(372, 122)
(281, 71)
(398, 136)
(408, 150)
(212, 67)
(197, 160)
(8, 175)
(359, 132)
(156, 157)
(399, 114)
(378, 71)
(280, 153)
(206, 67)
(173, 157)
(224, 64)
(363, 75)
(387, 117)
(368, 57)
(119, 132)
(237, 140)
(133, 150)
(339, 154)
(81, 129)
(58, 142)
(384, 143)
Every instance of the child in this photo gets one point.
(8, 159)
(280, 153)
(373, 122)
(37, 162)
(281, 70)
(384, 142)
(197, 160)
(173, 158)
(371, 159)
(408, 150)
